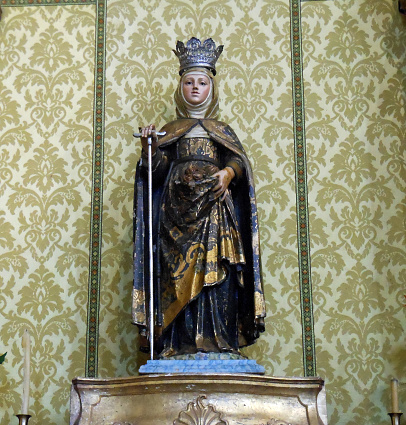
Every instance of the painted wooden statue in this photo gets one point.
(208, 293)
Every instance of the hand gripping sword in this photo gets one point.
(150, 244)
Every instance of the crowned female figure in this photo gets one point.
(207, 274)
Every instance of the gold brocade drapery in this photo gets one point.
(200, 244)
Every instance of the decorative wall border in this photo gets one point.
(306, 298)
(22, 3)
(92, 331)
(92, 334)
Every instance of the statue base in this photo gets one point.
(215, 363)
(179, 399)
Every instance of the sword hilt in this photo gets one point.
(158, 133)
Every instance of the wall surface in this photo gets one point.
(355, 84)
(255, 99)
(324, 127)
(46, 87)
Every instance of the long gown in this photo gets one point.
(201, 253)
(207, 273)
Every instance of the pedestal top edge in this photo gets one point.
(242, 378)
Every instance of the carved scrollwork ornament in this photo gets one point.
(198, 414)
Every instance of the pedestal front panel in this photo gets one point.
(195, 399)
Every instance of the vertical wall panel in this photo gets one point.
(255, 99)
(46, 117)
(355, 80)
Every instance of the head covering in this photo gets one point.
(209, 108)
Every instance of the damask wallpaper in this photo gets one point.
(324, 126)
(46, 87)
(354, 74)
(254, 74)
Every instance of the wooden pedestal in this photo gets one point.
(237, 399)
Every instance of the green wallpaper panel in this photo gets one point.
(46, 87)
(255, 86)
(354, 73)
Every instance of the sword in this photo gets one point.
(150, 244)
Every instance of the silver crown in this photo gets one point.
(196, 53)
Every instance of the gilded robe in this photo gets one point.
(207, 271)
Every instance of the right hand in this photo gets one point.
(224, 178)
(149, 131)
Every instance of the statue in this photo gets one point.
(208, 294)
(402, 6)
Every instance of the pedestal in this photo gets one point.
(209, 363)
(237, 399)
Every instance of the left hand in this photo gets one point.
(224, 178)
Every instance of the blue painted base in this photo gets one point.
(200, 363)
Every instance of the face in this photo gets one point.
(196, 88)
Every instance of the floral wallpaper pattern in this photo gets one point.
(354, 73)
(46, 88)
(254, 76)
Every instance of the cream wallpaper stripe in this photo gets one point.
(92, 332)
(355, 80)
(46, 135)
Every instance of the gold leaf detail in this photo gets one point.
(198, 414)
